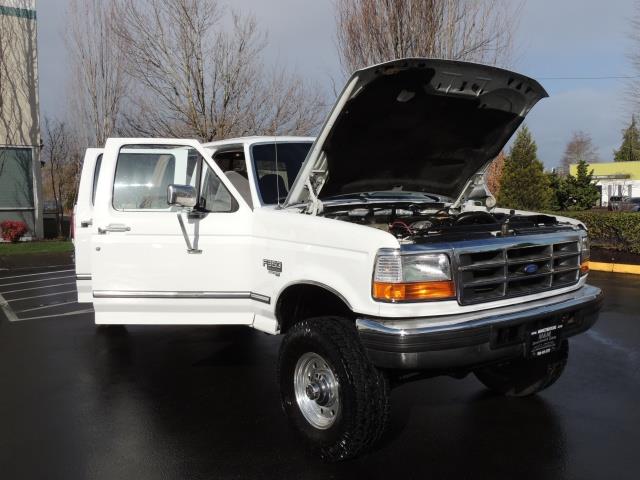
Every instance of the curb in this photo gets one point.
(615, 268)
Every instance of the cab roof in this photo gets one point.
(257, 139)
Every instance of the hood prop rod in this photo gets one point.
(316, 203)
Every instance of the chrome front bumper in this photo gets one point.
(472, 339)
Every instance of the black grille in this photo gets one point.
(517, 270)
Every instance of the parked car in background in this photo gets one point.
(634, 204)
(624, 204)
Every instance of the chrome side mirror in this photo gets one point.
(182, 195)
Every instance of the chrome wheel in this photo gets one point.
(317, 390)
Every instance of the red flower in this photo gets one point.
(13, 230)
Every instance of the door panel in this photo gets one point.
(83, 222)
(143, 271)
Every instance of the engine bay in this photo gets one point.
(419, 224)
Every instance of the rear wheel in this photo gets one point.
(527, 376)
(334, 397)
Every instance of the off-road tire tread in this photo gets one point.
(371, 412)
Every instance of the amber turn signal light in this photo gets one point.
(395, 292)
(584, 267)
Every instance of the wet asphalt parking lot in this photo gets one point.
(80, 402)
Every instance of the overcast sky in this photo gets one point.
(556, 38)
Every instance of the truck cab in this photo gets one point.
(375, 249)
(248, 162)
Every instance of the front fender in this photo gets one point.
(336, 255)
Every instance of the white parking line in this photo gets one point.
(34, 268)
(41, 273)
(34, 281)
(51, 305)
(77, 312)
(4, 305)
(39, 296)
(38, 288)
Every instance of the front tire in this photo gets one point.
(333, 396)
(526, 376)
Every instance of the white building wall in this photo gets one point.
(626, 188)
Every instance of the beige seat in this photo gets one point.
(241, 184)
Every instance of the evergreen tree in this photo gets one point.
(630, 149)
(574, 193)
(581, 189)
(524, 185)
(560, 196)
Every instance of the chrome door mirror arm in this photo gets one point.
(193, 249)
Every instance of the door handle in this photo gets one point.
(86, 223)
(113, 227)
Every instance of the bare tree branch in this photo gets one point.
(580, 147)
(193, 78)
(61, 172)
(99, 83)
(374, 31)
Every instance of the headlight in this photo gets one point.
(412, 277)
(421, 268)
(585, 256)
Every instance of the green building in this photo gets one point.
(20, 182)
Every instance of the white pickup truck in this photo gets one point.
(375, 250)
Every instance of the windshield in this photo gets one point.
(276, 166)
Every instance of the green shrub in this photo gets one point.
(616, 230)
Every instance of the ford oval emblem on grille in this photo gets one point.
(530, 268)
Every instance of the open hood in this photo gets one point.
(415, 124)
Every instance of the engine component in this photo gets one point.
(476, 218)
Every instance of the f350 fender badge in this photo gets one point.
(273, 266)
